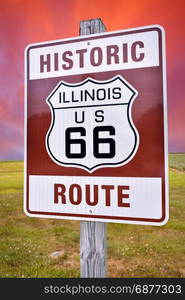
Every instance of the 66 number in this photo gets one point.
(97, 141)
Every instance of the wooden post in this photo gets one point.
(92, 249)
(92, 234)
(91, 26)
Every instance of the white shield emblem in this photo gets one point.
(92, 124)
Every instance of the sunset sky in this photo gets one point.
(30, 21)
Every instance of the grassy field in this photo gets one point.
(177, 161)
(26, 244)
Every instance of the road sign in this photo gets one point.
(96, 128)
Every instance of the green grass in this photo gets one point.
(177, 161)
(133, 250)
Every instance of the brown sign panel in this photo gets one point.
(96, 128)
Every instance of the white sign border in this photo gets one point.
(164, 124)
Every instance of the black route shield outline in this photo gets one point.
(136, 144)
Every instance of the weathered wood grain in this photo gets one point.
(92, 234)
(93, 249)
(91, 26)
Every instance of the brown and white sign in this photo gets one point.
(96, 128)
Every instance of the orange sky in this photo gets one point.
(28, 21)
